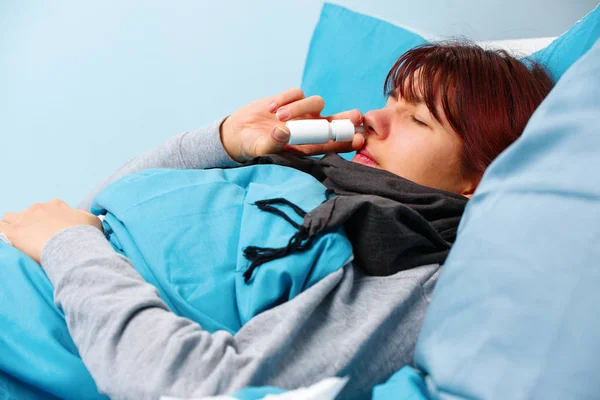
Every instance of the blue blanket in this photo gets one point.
(184, 231)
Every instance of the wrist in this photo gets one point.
(227, 139)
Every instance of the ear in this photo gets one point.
(469, 185)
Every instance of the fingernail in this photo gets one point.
(283, 114)
(272, 107)
(281, 134)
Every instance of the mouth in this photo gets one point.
(365, 158)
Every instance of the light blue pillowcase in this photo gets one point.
(515, 311)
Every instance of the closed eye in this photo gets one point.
(418, 121)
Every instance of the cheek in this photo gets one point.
(423, 160)
(443, 169)
(410, 156)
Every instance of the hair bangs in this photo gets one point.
(424, 75)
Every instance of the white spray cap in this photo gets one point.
(343, 130)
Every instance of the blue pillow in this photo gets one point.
(565, 50)
(515, 311)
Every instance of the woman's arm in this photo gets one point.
(136, 348)
(132, 344)
(197, 149)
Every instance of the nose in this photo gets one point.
(376, 123)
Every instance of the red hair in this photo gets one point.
(487, 96)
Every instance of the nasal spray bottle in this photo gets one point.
(318, 131)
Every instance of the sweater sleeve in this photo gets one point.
(132, 344)
(197, 149)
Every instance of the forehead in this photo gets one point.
(416, 88)
(424, 89)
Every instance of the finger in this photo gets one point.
(353, 115)
(312, 105)
(358, 141)
(58, 202)
(35, 206)
(270, 144)
(10, 217)
(282, 99)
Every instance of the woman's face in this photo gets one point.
(407, 140)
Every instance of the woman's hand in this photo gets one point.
(29, 230)
(259, 128)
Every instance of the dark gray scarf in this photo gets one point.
(393, 224)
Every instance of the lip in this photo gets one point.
(364, 157)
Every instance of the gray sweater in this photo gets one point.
(350, 324)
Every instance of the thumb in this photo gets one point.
(273, 143)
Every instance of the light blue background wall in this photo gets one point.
(84, 86)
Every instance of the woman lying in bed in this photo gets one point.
(451, 110)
